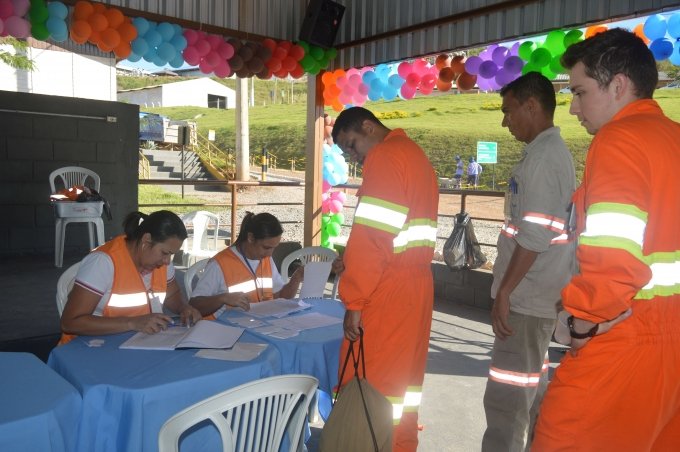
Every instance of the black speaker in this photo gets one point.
(321, 23)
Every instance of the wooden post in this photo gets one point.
(314, 157)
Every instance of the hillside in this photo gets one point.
(444, 125)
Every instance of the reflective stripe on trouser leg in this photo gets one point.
(410, 403)
(515, 374)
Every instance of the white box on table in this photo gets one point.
(72, 209)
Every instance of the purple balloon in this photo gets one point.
(488, 69)
(484, 84)
(513, 64)
(503, 77)
(499, 54)
(514, 50)
(472, 65)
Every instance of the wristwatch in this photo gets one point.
(590, 333)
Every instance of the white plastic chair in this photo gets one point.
(311, 254)
(64, 286)
(199, 221)
(67, 177)
(252, 417)
(193, 272)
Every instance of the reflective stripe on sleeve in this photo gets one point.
(548, 221)
(510, 230)
(665, 280)
(623, 221)
(132, 299)
(418, 232)
(380, 214)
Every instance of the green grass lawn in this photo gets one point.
(444, 125)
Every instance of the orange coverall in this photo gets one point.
(388, 275)
(621, 392)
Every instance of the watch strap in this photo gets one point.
(590, 333)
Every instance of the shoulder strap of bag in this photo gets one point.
(361, 391)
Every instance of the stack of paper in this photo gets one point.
(204, 334)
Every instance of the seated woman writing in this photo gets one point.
(245, 272)
(124, 284)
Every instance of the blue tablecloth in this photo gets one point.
(39, 410)
(129, 394)
(313, 352)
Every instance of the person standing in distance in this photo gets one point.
(387, 284)
(535, 261)
(619, 387)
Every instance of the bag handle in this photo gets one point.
(355, 361)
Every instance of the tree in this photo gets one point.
(18, 58)
(669, 68)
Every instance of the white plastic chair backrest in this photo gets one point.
(252, 417)
(73, 175)
(192, 275)
(200, 220)
(310, 254)
(64, 286)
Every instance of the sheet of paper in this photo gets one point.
(279, 307)
(314, 282)
(245, 322)
(284, 334)
(305, 321)
(242, 351)
(164, 340)
(267, 329)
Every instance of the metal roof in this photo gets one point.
(377, 31)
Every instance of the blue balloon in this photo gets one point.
(374, 95)
(153, 38)
(674, 26)
(56, 27)
(368, 77)
(59, 37)
(58, 10)
(133, 57)
(179, 42)
(141, 24)
(395, 81)
(389, 93)
(178, 61)
(166, 30)
(661, 49)
(139, 46)
(655, 27)
(166, 51)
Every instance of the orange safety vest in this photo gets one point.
(129, 296)
(238, 276)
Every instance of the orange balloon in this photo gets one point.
(80, 31)
(447, 75)
(98, 22)
(82, 10)
(114, 17)
(639, 32)
(99, 8)
(443, 86)
(595, 29)
(466, 81)
(127, 31)
(123, 50)
(337, 105)
(76, 38)
(110, 38)
(442, 61)
(458, 64)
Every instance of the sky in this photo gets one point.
(629, 24)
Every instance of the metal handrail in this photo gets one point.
(144, 170)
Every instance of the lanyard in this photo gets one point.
(257, 289)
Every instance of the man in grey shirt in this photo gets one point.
(535, 260)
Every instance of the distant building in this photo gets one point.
(60, 71)
(200, 92)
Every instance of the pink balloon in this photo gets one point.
(413, 79)
(325, 186)
(203, 47)
(191, 56)
(21, 7)
(335, 206)
(355, 80)
(213, 59)
(223, 70)
(404, 69)
(428, 80)
(339, 196)
(353, 71)
(214, 41)
(226, 50)
(363, 89)
(17, 27)
(2, 26)
(421, 67)
(408, 91)
(191, 36)
(326, 206)
(205, 67)
(341, 81)
(6, 9)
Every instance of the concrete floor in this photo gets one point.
(451, 412)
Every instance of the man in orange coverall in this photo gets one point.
(387, 285)
(619, 387)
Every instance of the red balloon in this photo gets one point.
(297, 52)
(447, 75)
(466, 81)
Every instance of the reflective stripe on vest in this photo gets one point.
(379, 214)
(417, 232)
(623, 226)
(509, 377)
(548, 221)
(130, 300)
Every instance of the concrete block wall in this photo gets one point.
(472, 287)
(40, 133)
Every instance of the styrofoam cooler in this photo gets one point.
(70, 209)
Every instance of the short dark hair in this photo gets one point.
(616, 51)
(536, 85)
(162, 225)
(352, 119)
(262, 226)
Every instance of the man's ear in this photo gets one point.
(368, 127)
(621, 85)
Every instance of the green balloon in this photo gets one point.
(333, 229)
(39, 31)
(39, 13)
(306, 62)
(316, 52)
(526, 49)
(304, 45)
(550, 75)
(331, 53)
(326, 243)
(556, 65)
(530, 68)
(572, 37)
(325, 219)
(540, 57)
(555, 42)
(324, 236)
(338, 218)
